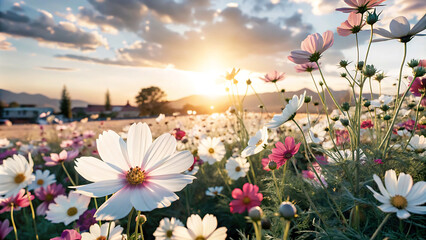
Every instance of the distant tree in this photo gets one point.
(151, 101)
(65, 103)
(13, 104)
(107, 101)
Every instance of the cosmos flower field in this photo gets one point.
(351, 170)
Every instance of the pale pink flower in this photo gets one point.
(352, 25)
(47, 195)
(19, 201)
(360, 6)
(312, 48)
(273, 77)
(5, 229)
(63, 156)
(306, 67)
(400, 29)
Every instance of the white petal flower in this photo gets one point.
(42, 179)
(382, 100)
(417, 143)
(15, 174)
(140, 173)
(165, 230)
(96, 232)
(67, 209)
(400, 29)
(400, 195)
(200, 229)
(317, 134)
(256, 143)
(211, 150)
(289, 111)
(4, 143)
(237, 167)
(214, 191)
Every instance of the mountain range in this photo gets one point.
(272, 100)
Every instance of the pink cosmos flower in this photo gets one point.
(310, 174)
(422, 63)
(19, 201)
(321, 159)
(378, 161)
(245, 199)
(178, 134)
(48, 195)
(312, 48)
(5, 229)
(342, 137)
(306, 67)
(352, 25)
(360, 6)
(273, 77)
(367, 124)
(68, 234)
(265, 163)
(63, 156)
(418, 87)
(282, 152)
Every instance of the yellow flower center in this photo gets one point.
(40, 182)
(211, 150)
(399, 202)
(259, 142)
(49, 197)
(169, 233)
(246, 200)
(135, 176)
(72, 211)
(237, 169)
(19, 178)
(200, 238)
(101, 238)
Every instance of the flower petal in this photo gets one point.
(95, 170)
(209, 224)
(391, 182)
(417, 195)
(175, 163)
(116, 207)
(402, 214)
(139, 138)
(405, 182)
(399, 26)
(101, 188)
(160, 149)
(112, 149)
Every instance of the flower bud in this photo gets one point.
(344, 121)
(308, 99)
(379, 77)
(334, 118)
(360, 65)
(420, 108)
(287, 100)
(343, 63)
(272, 165)
(260, 106)
(235, 81)
(141, 219)
(321, 83)
(316, 103)
(384, 107)
(283, 90)
(367, 104)
(372, 18)
(255, 213)
(413, 63)
(387, 117)
(411, 105)
(419, 72)
(248, 81)
(343, 75)
(346, 106)
(266, 223)
(288, 211)
(369, 71)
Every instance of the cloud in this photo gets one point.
(58, 69)
(229, 40)
(46, 31)
(322, 7)
(5, 45)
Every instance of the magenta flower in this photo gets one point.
(86, 220)
(282, 152)
(273, 77)
(378, 161)
(63, 156)
(419, 87)
(48, 195)
(19, 201)
(68, 234)
(306, 67)
(178, 134)
(265, 164)
(342, 137)
(360, 6)
(367, 124)
(245, 199)
(352, 25)
(312, 48)
(5, 229)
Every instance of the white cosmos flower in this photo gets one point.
(42, 179)
(317, 133)
(4, 143)
(200, 229)
(400, 195)
(289, 111)
(400, 29)
(140, 173)
(166, 228)
(160, 118)
(67, 209)
(96, 232)
(256, 143)
(214, 191)
(15, 174)
(237, 167)
(403, 133)
(382, 100)
(417, 143)
(211, 150)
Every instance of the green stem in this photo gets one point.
(109, 230)
(32, 214)
(286, 229)
(258, 97)
(416, 120)
(380, 226)
(276, 186)
(137, 224)
(13, 222)
(400, 71)
(129, 221)
(68, 175)
(256, 231)
(328, 89)
(96, 206)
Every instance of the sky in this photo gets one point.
(183, 46)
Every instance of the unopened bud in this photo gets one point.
(288, 211)
(272, 165)
(255, 213)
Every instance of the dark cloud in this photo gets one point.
(229, 40)
(45, 30)
(57, 69)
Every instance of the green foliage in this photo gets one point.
(65, 103)
(151, 101)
